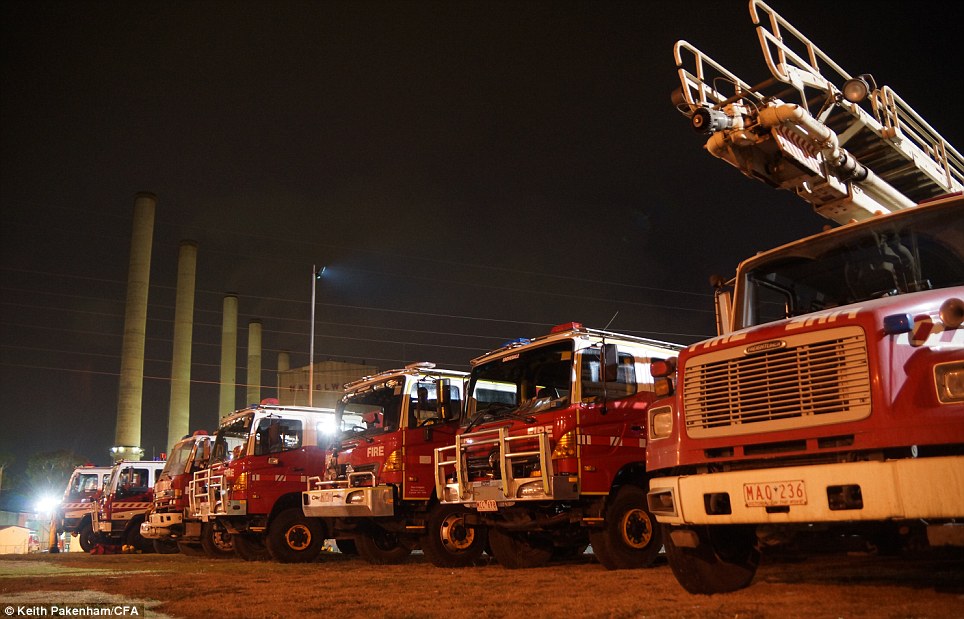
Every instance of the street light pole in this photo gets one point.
(315, 276)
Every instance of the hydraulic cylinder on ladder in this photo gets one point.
(807, 128)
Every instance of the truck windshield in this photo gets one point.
(918, 249)
(374, 410)
(178, 459)
(82, 485)
(232, 439)
(524, 382)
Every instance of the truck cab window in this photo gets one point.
(277, 435)
(593, 386)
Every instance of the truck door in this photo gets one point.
(279, 460)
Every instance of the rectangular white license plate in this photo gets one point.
(324, 498)
(775, 493)
(487, 505)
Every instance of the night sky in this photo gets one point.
(469, 173)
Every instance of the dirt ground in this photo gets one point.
(841, 585)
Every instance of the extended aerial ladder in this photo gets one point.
(800, 131)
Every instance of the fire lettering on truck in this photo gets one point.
(726, 339)
(539, 430)
(819, 319)
(376, 451)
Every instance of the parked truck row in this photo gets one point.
(831, 401)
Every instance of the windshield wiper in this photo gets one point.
(498, 410)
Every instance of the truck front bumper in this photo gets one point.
(372, 502)
(162, 526)
(928, 488)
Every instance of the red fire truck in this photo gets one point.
(261, 460)
(169, 524)
(833, 398)
(80, 502)
(378, 492)
(551, 453)
(127, 497)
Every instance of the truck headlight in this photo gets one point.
(531, 489)
(566, 447)
(395, 461)
(949, 378)
(660, 422)
(240, 483)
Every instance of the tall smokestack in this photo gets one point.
(127, 437)
(179, 415)
(284, 364)
(254, 362)
(229, 356)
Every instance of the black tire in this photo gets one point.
(133, 537)
(346, 546)
(448, 541)
(725, 557)
(250, 547)
(381, 547)
(189, 549)
(216, 542)
(519, 550)
(630, 537)
(85, 537)
(164, 547)
(294, 538)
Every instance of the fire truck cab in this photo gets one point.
(832, 399)
(261, 459)
(126, 499)
(378, 491)
(551, 452)
(80, 502)
(169, 524)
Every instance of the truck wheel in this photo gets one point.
(85, 536)
(216, 542)
(630, 537)
(725, 557)
(346, 546)
(516, 550)
(164, 547)
(133, 538)
(294, 538)
(449, 542)
(250, 547)
(381, 547)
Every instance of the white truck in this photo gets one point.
(126, 499)
(76, 510)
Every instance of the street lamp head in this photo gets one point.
(320, 272)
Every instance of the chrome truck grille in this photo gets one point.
(811, 379)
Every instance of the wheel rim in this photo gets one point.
(637, 529)
(298, 537)
(222, 541)
(455, 535)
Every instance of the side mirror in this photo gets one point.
(444, 397)
(610, 360)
